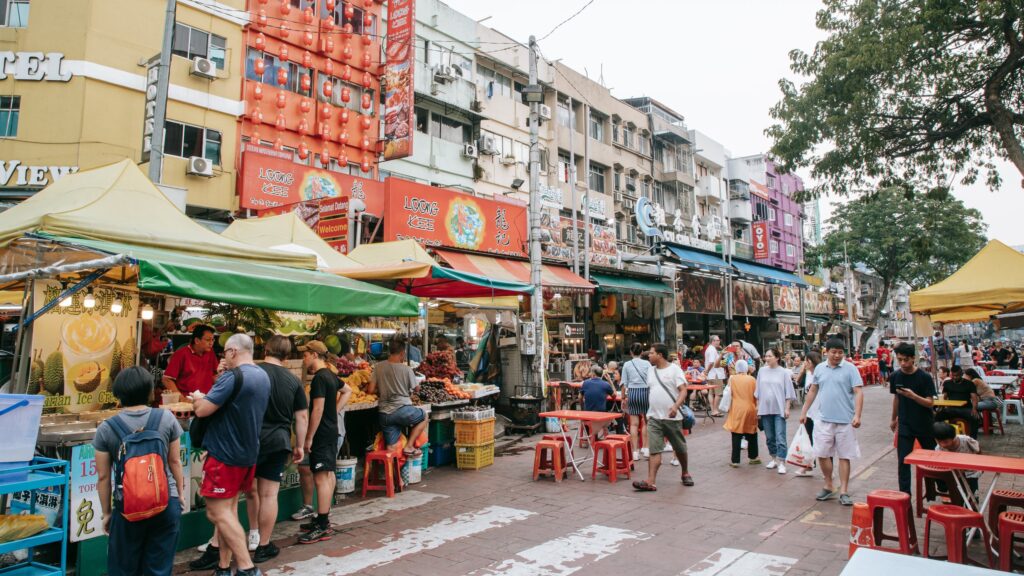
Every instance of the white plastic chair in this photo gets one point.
(1017, 416)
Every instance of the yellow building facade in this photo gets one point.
(73, 80)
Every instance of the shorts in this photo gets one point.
(271, 466)
(719, 385)
(323, 457)
(637, 401)
(392, 424)
(223, 480)
(660, 430)
(835, 440)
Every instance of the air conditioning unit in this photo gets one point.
(618, 196)
(487, 145)
(477, 106)
(443, 73)
(545, 112)
(469, 151)
(199, 166)
(204, 67)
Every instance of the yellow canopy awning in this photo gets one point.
(989, 283)
(288, 233)
(118, 203)
(397, 260)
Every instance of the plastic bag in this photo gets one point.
(801, 453)
(726, 402)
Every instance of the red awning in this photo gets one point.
(557, 278)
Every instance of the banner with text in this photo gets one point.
(557, 239)
(699, 294)
(399, 113)
(759, 232)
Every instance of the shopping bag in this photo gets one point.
(801, 453)
(726, 402)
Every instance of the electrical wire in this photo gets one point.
(566, 21)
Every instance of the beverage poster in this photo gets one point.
(76, 351)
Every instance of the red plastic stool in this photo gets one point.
(956, 520)
(927, 479)
(583, 434)
(899, 503)
(1010, 524)
(986, 422)
(558, 437)
(392, 462)
(616, 460)
(629, 445)
(549, 458)
(1001, 501)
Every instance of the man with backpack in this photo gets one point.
(235, 408)
(145, 518)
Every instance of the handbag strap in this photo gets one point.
(663, 385)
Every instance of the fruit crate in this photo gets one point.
(474, 433)
(469, 416)
(441, 432)
(474, 457)
(441, 454)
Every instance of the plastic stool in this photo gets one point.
(558, 437)
(899, 503)
(583, 433)
(616, 459)
(956, 520)
(1001, 501)
(549, 458)
(629, 445)
(392, 462)
(1018, 415)
(1010, 524)
(961, 425)
(927, 479)
(986, 422)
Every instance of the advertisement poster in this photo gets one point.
(270, 179)
(399, 114)
(786, 299)
(332, 225)
(759, 232)
(76, 350)
(699, 294)
(817, 303)
(440, 217)
(750, 299)
(557, 234)
(298, 324)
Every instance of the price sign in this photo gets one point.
(86, 514)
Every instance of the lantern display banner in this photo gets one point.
(399, 113)
(759, 232)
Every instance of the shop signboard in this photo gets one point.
(440, 217)
(759, 233)
(399, 113)
(699, 294)
(787, 329)
(751, 299)
(298, 324)
(76, 349)
(785, 299)
(15, 173)
(34, 66)
(550, 196)
(572, 330)
(817, 303)
(557, 238)
(149, 112)
(332, 225)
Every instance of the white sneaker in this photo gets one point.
(636, 455)
(645, 452)
(674, 462)
(782, 469)
(202, 547)
(804, 473)
(772, 464)
(254, 540)
(304, 513)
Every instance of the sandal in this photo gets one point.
(687, 480)
(644, 486)
(412, 453)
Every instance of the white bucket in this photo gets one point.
(19, 418)
(345, 472)
(412, 470)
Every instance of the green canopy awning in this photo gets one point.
(258, 285)
(630, 285)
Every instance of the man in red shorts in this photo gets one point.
(232, 446)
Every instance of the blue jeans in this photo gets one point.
(775, 434)
(393, 424)
(144, 547)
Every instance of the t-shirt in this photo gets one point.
(941, 348)
(711, 357)
(883, 355)
(914, 419)
(286, 398)
(966, 445)
(233, 435)
(595, 394)
(659, 400)
(191, 371)
(1001, 356)
(634, 373)
(835, 391)
(959, 389)
(983, 389)
(107, 440)
(774, 387)
(415, 354)
(325, 385)
(395, 382)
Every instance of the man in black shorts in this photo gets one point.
(327, 395)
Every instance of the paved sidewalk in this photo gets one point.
(498, 521)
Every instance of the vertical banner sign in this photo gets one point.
(399, 114)
(332, 226)
(152, 75)
(759, 230)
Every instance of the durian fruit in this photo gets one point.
(115, 361)
(128, 351)
(89, 377)
(53, 372)
(35, 378)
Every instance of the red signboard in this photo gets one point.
(399, 114)
(270, 179)
(440, 217)
(759, 230)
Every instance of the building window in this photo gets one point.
(355, 98)
(564, 116)
(185, 141)
(338, 16)
(449, 129)
(615, 131)
(14, 13)
(495, 84)
(597, 127)
(775, 246)
(771, 181)
(10, 109)
(627, 136)
(788, 219)
(192, 43)
(771, 214)
(563, 168)
(790, 251)
(597, 177)
(422, 120)
(270, 70)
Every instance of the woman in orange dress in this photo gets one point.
(742, 420)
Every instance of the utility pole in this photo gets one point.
(535, 96)
(156, 154)
(803, 312)
(572, 187)
(727, 255)
(586, 197)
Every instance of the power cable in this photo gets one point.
(566, 21)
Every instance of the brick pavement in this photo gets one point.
(610, 527)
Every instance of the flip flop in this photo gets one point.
(845, 500)
(825, 494)
(687, 480)
(412, 453)
(644, 486)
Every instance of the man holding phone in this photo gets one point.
(912, 390)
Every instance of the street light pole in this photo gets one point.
(537, 303)
(156, 154)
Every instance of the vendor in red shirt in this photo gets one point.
(193, 367)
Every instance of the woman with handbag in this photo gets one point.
(774, 393)
(636, 391)
(742, 420)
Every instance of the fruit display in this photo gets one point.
(440, 365)
(357, 381)
(346, 367)
(438, 391)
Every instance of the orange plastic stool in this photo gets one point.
(927, 479)
(956, 520)
(616, 460)
(899, 503)
(1001, 501)
(549, 458)
(986, 422)
(629, 445)
(1010, 524)
(557, 437)
(392, 462)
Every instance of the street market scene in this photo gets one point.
(330, 287)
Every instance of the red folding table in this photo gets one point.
(583, 417)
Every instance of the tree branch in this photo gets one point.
(1002, 117)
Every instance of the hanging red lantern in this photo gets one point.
(282, 99)
(325, 111)
(366, 39)
(303, 125)
(255, 116)
(367, 22)
(307, 38)
(346, 94)
(366, 59)
(343, 137)
(329, 4)
(278, 144)
(346, 52)
(343, 159)
(367, 4)
(280, 123)
(305, 105)
(307, 15)
(344, 116)
(257, 91)
(284, 30)
(307, 59)
(255, 136)
(365, 142)
(328, 44)
(346, 30)
(327, 24)
(325, 131)
(264, 2)
(261, 18)
(349, 11)
(282, 52)
(367, 102)
(367, 80)
(365, 166)
(261, 42)
(259, 67)
(327, 89)
(329, 67)
(365, 122)
(303, 150)
(346, 74)
(306, 83)
(282, 76)
(325, 156)
(286, 7)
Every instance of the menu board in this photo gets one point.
(751, 299)
(399, 113)
(699, 294)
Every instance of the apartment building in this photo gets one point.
(710, 161)
(783, 213)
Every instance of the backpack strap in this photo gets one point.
(237, 373)
(153, 422)
(120, 428)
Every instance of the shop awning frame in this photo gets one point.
(699, 260)
(769, 274)
(556, 278)
(612, 284)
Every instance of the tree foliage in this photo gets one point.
(915, 93)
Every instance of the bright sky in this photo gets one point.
(715, 62)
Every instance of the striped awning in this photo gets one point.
(554, 277)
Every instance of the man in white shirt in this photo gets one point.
(714, 373)
(667, 385)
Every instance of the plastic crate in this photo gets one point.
(470, 416)
(474, 433)
(441, 454)
(426, 455)
(474, 457)
(441, 432)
